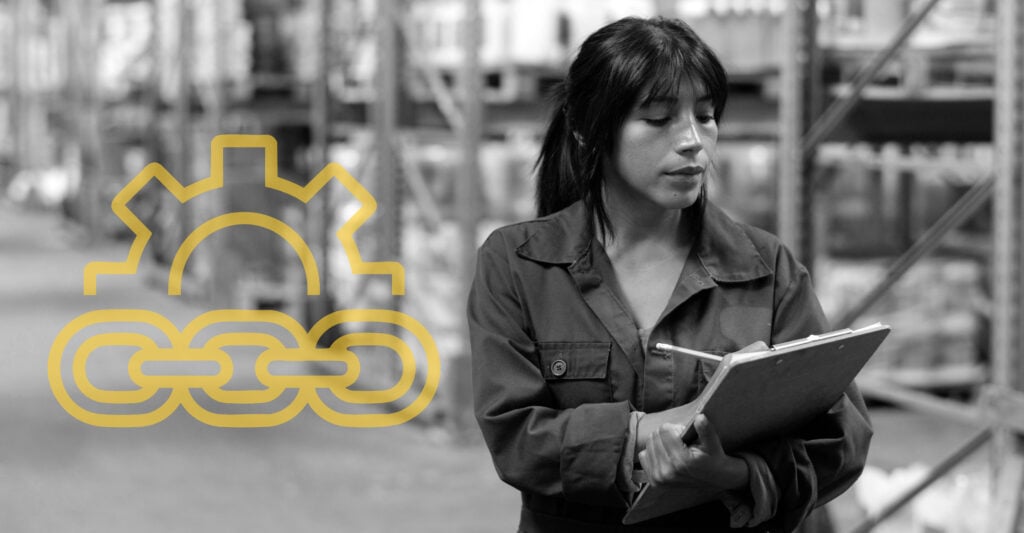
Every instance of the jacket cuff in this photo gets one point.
(592, 446)
(756, 504)
(626, 482)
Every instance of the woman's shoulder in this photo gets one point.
(514, 235)
(772, 251)
(767, 243)
(556, 238)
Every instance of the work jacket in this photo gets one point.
(558, 366)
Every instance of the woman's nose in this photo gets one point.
(688, 138)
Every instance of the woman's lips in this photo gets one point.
(689, 170)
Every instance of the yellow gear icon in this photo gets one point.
(305, 346)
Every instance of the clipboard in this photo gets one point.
(757, 396)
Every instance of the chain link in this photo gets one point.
(303, 349)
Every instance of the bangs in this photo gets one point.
(670, 88)
(677, 71)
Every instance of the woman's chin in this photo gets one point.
(679, 201)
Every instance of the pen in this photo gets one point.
(668, 348)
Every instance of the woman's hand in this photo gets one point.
(667, 460)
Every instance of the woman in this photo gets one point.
(628, 252)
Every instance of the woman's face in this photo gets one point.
(663, 153)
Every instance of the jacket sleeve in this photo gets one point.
(536, 447)
(826, 457)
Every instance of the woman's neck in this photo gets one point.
(636, 226)
(648, 249)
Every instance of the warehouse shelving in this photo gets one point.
(995, 410)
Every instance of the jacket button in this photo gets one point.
(558, 368)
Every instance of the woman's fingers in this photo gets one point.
(666, 455)
(652, 458)
(645, 461)
(709, 440)
(667, 459)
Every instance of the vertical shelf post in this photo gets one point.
(183, 106)
(468, 194)
(318, 213)
(1008, 216)
(468, 199)
(796, 107)
(1009, 196)
(385, 121)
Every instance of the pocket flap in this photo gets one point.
(574, 360)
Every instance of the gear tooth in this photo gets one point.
(184, 194)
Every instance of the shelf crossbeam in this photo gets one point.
(921, 402)
(981, 437)
(841, 107)
(970, 203)
(997, 410)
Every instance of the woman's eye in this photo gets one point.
(657, 121)
(704, 119)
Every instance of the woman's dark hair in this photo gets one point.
(627, 62)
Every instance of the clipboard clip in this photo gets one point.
(812, 338)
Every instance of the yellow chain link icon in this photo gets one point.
(303, 346)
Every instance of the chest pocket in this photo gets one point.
(576, 372)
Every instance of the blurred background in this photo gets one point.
(881, 139)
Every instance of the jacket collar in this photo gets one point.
(560, 238)
(724, 248)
